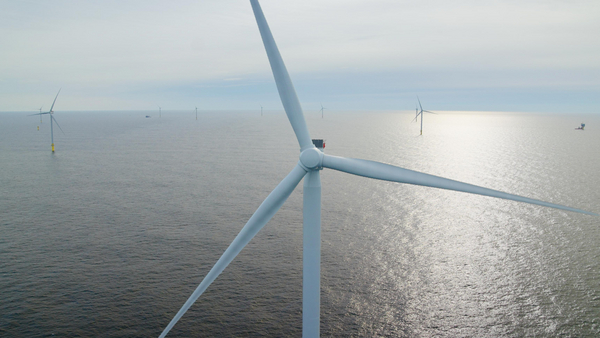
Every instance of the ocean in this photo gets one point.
(109, 235)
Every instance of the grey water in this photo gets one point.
(109, 235)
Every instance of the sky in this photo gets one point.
(471, 55)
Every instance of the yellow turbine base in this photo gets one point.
(38, 128)
(52, 147)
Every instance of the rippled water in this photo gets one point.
(112, 233)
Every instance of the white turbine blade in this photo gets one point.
(392, 173)
(427, 111)
(261, 216)
(288, 96)
(52, 117)
(419, 103)
(55, 100)
(416, 117)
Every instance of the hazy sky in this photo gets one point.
(525, 55)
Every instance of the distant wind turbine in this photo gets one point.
(52, 119)
(261, 110)
(196, 113)
(40, 113)
(159, 111)
(312, 161)
(416, 113)
(421, 113)
(322, 109)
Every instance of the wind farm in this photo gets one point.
(311, 161)
(465, 230)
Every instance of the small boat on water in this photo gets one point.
(580, 128)
(148, 116)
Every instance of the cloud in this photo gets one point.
(108, 48)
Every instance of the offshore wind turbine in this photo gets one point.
(40, 113)
(159, 111)
(311, 161)
(196, 113)
(322, 108)
(261, 110)
(52, 119)
(421, 113)
(416, 113)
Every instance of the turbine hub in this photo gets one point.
(311, 158)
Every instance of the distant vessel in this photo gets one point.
(148, 116)
(580, 128)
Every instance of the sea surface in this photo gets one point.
(109, 235)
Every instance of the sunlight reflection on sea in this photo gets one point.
(111, 234)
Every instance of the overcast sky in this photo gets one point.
(521, 55)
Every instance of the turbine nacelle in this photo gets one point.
(311, 159)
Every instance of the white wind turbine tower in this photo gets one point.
(261, 110)
(421, 113)
(52, 119)
(159, 111)
(196, 113)
(40, 113)
(311, 161)
(322, 109)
